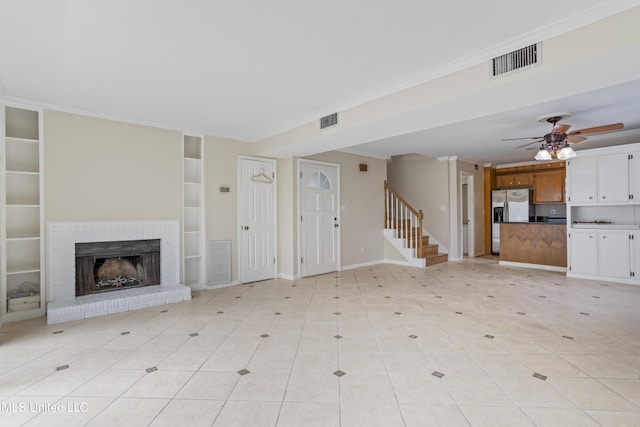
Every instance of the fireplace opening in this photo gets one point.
(112, 266)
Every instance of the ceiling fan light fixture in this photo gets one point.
(566, 153)
(543, 155)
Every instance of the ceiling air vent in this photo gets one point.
(516, 60)
(328, 121)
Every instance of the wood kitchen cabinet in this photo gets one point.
(548, 186)
(514, 180)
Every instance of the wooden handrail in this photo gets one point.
(417, 213)
(401, 216)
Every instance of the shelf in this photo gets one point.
(192, 171)
(20, 285)
(192, 196)
(26, 269)
(22, 124)
(605, 226)
(23, 255)
(192, 245)
(192, 147)
(19, 172)
(22, 189)
(26, 141)
(22, 155)
(18, 279)
(192, 256)
(192, 220)
(22, 222)
(193, 271)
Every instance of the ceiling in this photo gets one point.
(250, 69)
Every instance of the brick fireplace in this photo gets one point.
(104, 238)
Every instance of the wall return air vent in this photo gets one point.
(328, 121)
(516, 60)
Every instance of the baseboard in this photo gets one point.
(536, 266)
(621, 280)
(223, 285)
(363, 264)
(288, 277)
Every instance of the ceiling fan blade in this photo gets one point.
(605, 128)
(560, 128)
(534, 142)
(528, 137)
(575, 138)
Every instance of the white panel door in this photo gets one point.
(319, 218)
(257, 220)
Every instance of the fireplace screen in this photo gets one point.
(111, 266)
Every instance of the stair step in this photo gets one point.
(425, 242)
(428, 250)
(436, 259)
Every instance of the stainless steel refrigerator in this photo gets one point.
(513, 205)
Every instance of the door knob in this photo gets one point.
(336, 225)
(246, 227)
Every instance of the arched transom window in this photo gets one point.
(319, 180)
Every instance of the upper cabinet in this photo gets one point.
(548, 186)
(547, 180)
(522, 179)
(603, 179)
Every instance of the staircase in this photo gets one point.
(403, 228)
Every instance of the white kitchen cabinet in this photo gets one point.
(602, 253)
(613, 178)
(603, 214)
(600, 179)
(635, 255)
(634, 177)
(614, 254)
(583, 180)
(583, 254)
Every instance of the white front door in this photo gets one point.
(257, 219)
(319, 202)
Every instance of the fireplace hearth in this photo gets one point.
(116, 265)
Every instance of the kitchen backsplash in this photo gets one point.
(551, 210)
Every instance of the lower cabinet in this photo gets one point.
(611, 253)
(583, 252)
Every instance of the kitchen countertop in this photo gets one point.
(541, 223)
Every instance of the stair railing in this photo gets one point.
(401, 216)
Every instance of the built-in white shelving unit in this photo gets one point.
(193, 229)
(603, 213)
(21, 214)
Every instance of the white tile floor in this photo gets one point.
(358, 348)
